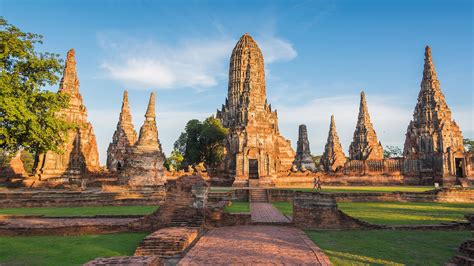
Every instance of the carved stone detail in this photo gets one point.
(333, 157)
(303, 158)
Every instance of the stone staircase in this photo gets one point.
(258, 195)
(466, 256)
(168, 242)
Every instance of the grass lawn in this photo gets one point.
(65, 250)
(238, 206)
(360, 189)
(398, 213)
(384, 247)
(220, 189)
(81, 211)
(284, 207)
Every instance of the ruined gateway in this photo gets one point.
(255, 150)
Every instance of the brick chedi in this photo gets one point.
(124, 138)
(303, 158)
(144, 161)
(365, 145)
(80, 155)
(333, 157)
(254, 147)
(433, 137)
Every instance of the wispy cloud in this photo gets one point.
(193, 63)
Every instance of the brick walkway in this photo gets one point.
(266, 213)
(251, 245)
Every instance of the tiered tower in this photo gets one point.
(433, 137)
(124, 138)
(365, 145)
(303, 158)
(80, 154)
(254, 147)
(333, 157)
(144, 161)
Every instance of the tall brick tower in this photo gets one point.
(254, 147)
(433, 138)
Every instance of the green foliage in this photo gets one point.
(387, 247)
(26, 112)
(174, 160)
(468, 145)
(66, 250)
(392, 151)
(28, 160)
(202, 142)
(316, 159)
(81, 211)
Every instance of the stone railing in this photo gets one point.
(373, 167)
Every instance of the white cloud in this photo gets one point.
(275, 49)
(193, 63)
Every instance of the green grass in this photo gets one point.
(81, 211)
(284, 207)
(65, 250)
(238, 206)
(398, 213)
(383, 247)
(402, 213)
(221, 189)
(359, 189)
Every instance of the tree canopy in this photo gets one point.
(27, 112)
(202, 142)
(392, 152)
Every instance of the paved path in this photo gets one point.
(266, 213)
(258, 244)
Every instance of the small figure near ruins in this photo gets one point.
(333, 157)
(143, 165)
(303, 159)
(365, 145)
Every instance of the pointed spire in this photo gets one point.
(70, 82)
(365, 144)
(333, 156)
(148, 138)
(150, 112)
(125, 115)
(429, 72)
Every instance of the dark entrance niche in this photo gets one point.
(459, 170)
(253, 168)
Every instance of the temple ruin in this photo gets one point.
(365, 145)
(123, 139)
(333, 157)
(303, 160)
(434, 142)
(143, 164)
(80, 156)
(255, 149)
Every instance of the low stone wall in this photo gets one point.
(296, 180)
(319, 211)
(16, 198)
(219, 218)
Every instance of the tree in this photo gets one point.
(174, 160)
(27, 113)
(468, 145)
(202, 142)
(392, 152)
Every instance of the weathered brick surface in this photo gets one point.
(167, 242)
(255, 245)
(266, 213)
(126, 261)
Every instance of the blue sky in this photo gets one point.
(319, 55)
